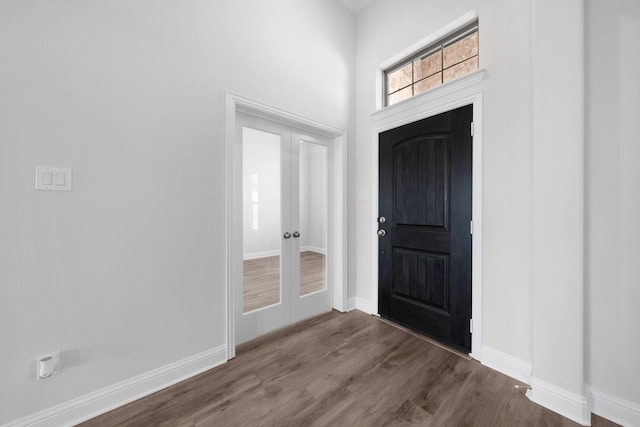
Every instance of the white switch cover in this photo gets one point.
(47, 178)
(53, 178)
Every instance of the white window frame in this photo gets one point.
(432, 47)
(414, 50)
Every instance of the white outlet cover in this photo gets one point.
(52, 178)
(48, 365)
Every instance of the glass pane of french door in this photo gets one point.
(313, 217)
(261, 219)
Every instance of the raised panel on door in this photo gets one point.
(421, 167)
(422, 277)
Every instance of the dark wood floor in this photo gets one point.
(340, 370)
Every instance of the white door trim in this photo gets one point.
(458, 93)
(238, 104)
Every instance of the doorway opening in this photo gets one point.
(286, 221)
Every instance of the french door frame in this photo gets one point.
(236, 104)
(463, 91)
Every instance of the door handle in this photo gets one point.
(296, 234)
(382, 232)
(287, 235)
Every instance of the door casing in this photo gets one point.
(236, 104)
(459, 93)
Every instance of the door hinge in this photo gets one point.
(472, 129)
(470, 326)
(471, 227)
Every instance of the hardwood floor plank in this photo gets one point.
(338, 408)
(261, 282)
(597, 421)
(261, 278)
(339, 370)
(313, 268)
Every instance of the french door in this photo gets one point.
(283, 264)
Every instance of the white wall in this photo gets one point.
(612, 253)
(126, 273)
(558, 157)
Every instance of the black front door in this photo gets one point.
(425, 252)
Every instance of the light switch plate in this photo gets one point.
(53, 178)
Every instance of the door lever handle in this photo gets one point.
(382, 232)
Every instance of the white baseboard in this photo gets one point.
(505, 363)
(361, 304)
(263, 254)
(313, 249)
(266, 254)
(108, 398)
(566, 403)
(613, 408)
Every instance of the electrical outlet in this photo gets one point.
(48, 365)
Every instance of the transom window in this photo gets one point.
(447, 59)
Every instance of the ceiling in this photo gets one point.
(356, 5)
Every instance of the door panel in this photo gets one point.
(312, 293)
(261, 256)
(313, 217)
(425, 198)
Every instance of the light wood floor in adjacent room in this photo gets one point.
(262, 278)
(338, 369)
